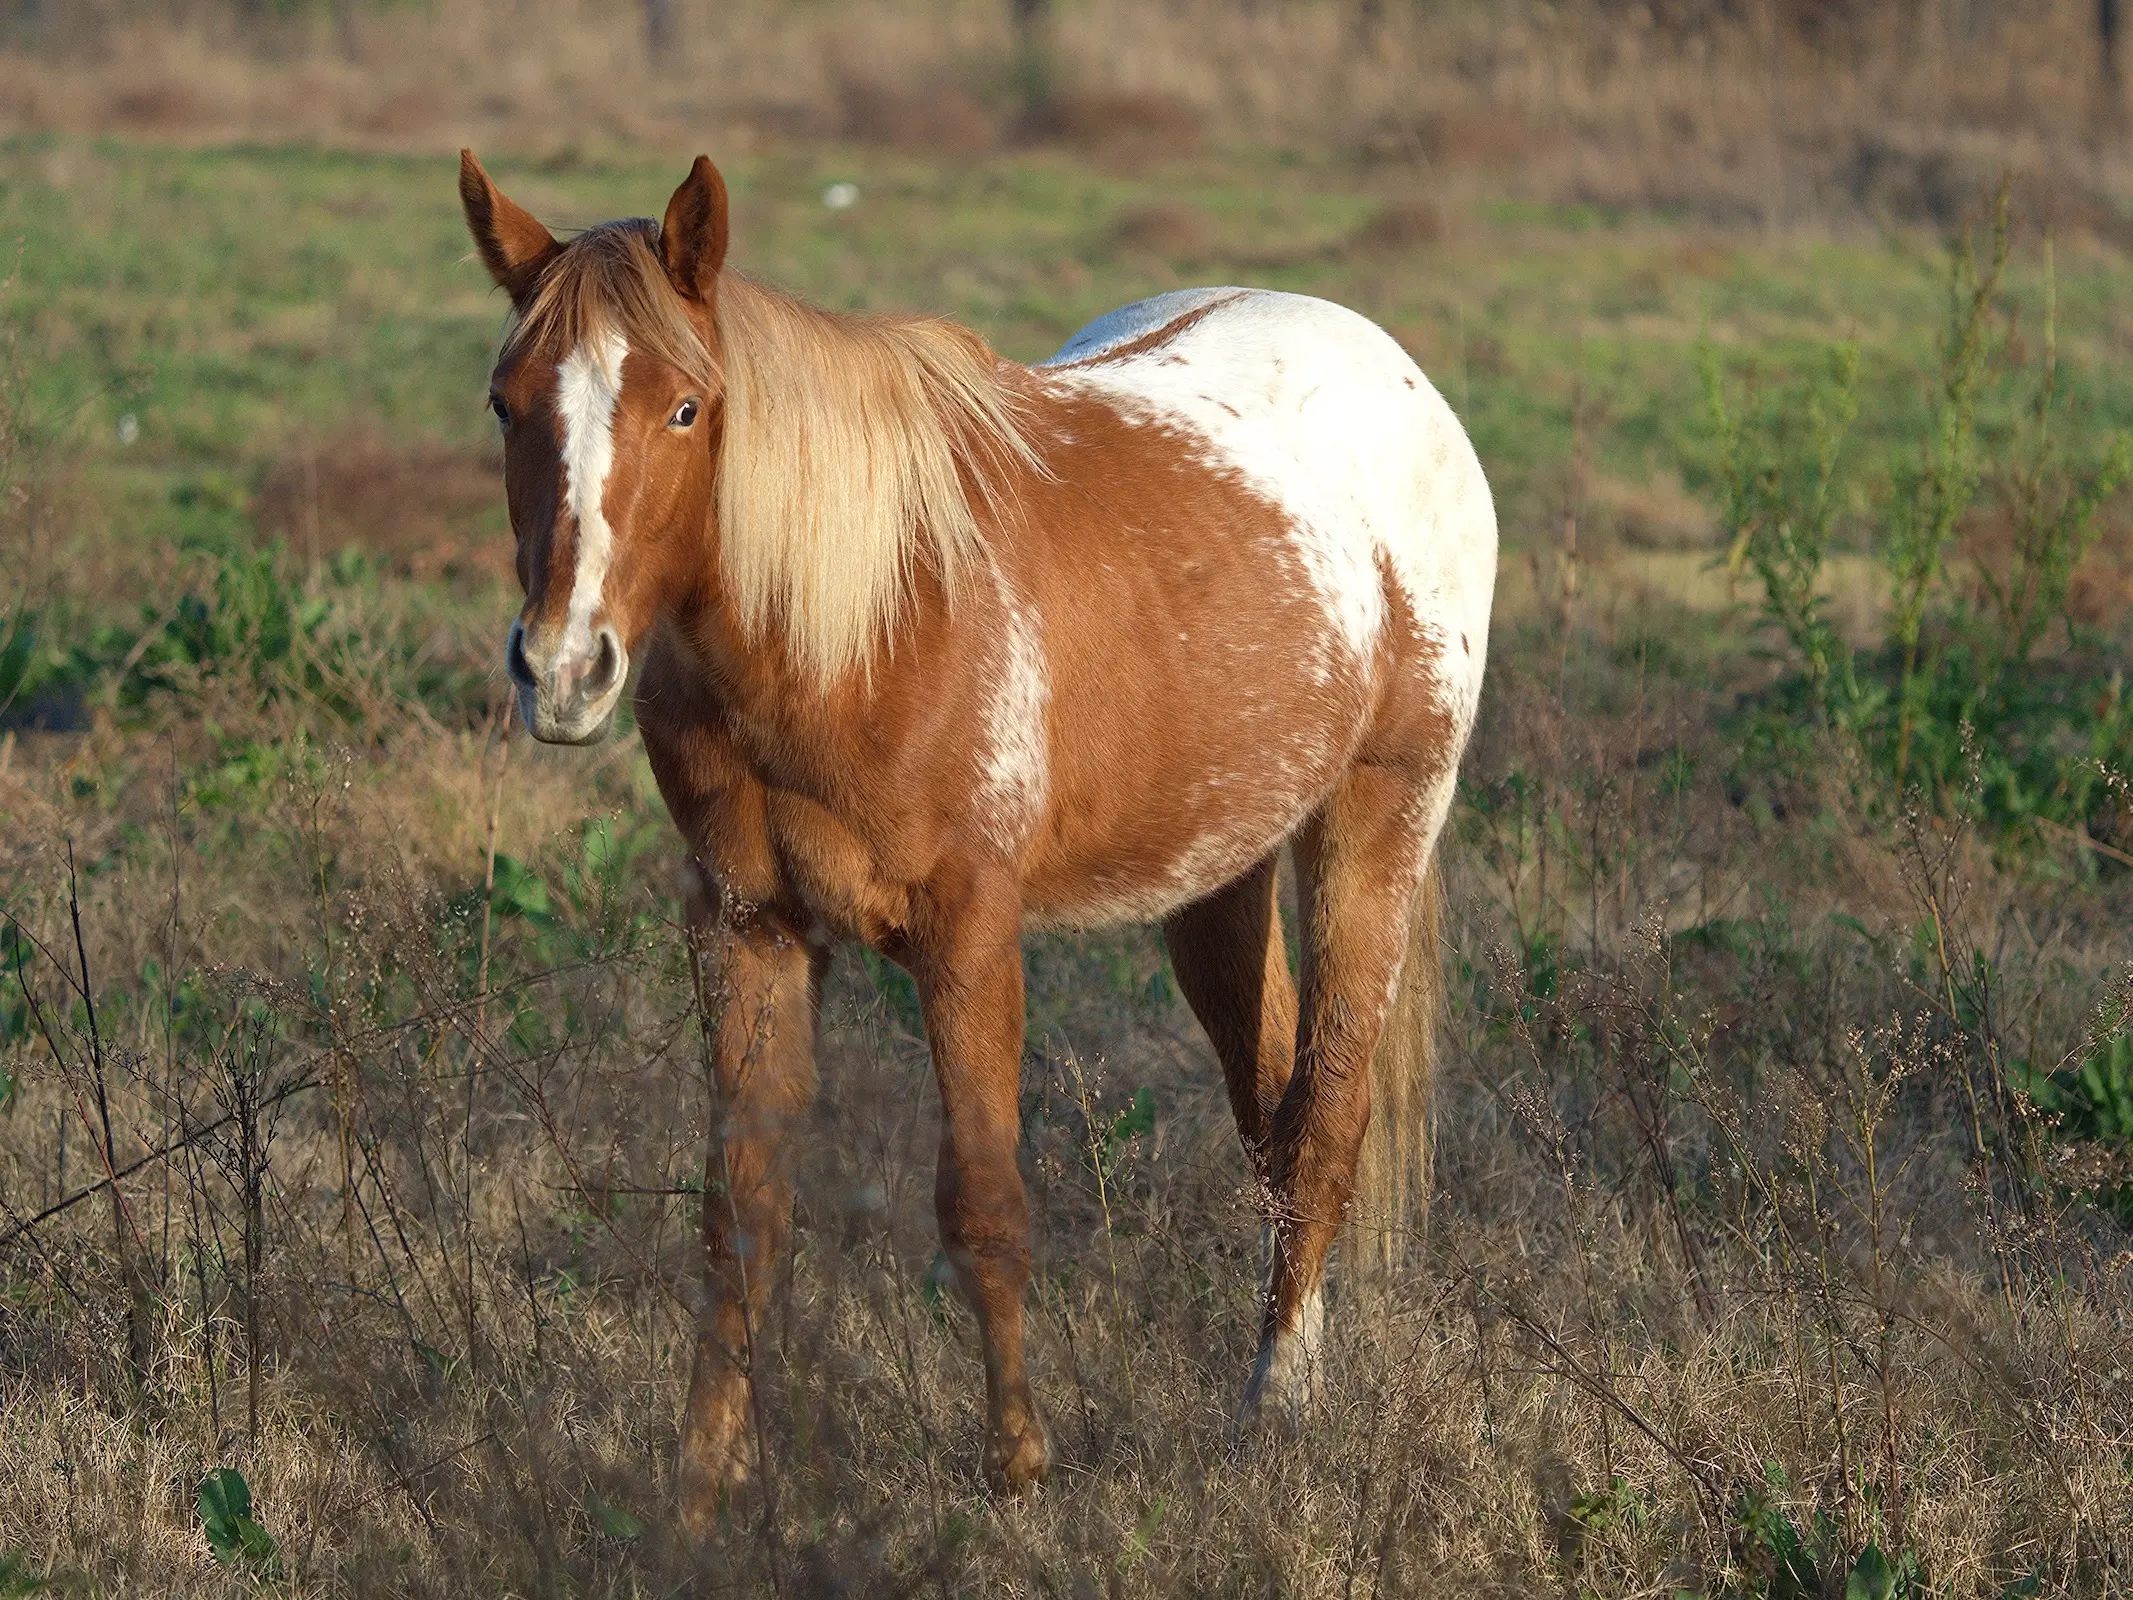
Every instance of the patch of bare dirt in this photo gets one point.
(423, 511)
(1657, 514)
(1165, 228)
(1403, 226)
(155, 105)
(936, 119)
(1123, 128)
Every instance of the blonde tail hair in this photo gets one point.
(1393, 1175)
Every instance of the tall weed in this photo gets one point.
(1957, 698)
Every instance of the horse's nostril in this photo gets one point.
(515, 661)
(607, 665)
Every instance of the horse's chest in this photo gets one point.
(770, 839)
(853, 881)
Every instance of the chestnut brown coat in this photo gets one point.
(933, 648)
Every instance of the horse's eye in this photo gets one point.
(503, 412)
(684, 414)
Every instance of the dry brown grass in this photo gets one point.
(1763, 113)
(1665, 1290)
(1737, 1215)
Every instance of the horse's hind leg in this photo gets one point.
(1359, 862)
(1231, 964)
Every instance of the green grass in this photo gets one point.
(241, 301)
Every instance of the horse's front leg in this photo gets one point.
(765, 980)
(968, 961)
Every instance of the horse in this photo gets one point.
(932, 648)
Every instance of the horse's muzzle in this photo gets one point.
(567, 689)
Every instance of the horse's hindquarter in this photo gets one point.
(1269, 551)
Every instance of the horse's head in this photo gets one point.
(607, 393)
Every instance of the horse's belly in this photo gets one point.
(1108, 892)
(1156, 818)
(1293, 541)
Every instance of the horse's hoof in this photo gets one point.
(1016, 1462)
(1276, 1396)
(1284, 1378)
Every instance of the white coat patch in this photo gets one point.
(1321, 413)
(1379, 508)
(1285, 1378)
(1017, 759)
(588, 384)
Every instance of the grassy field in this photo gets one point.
(1779, 1244)
(247, 303)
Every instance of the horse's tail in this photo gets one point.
(1392, 1187)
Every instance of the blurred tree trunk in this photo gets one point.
(1032, 24)
(2111, 86)
(662, 33)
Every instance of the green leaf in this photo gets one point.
(1871, 1577)
(1144, 1533)
(256, 1545)
(16, 1579)
(224, 1498)
(1793, 1575)
(236, 1540)
(615, 1522)
(1137, 1119)
(938, 1282)
(1844, 919)
(519, 891)
(1617, 1505)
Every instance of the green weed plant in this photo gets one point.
(1962, 696)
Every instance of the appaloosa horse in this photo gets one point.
(934, 648)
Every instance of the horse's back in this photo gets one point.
(1322, 413)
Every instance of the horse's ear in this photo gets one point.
(693, 237)
(513, 245)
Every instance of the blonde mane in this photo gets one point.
(853, 448)
(609, 279)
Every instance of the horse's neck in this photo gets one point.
(762, 696)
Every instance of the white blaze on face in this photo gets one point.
(588, 384)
